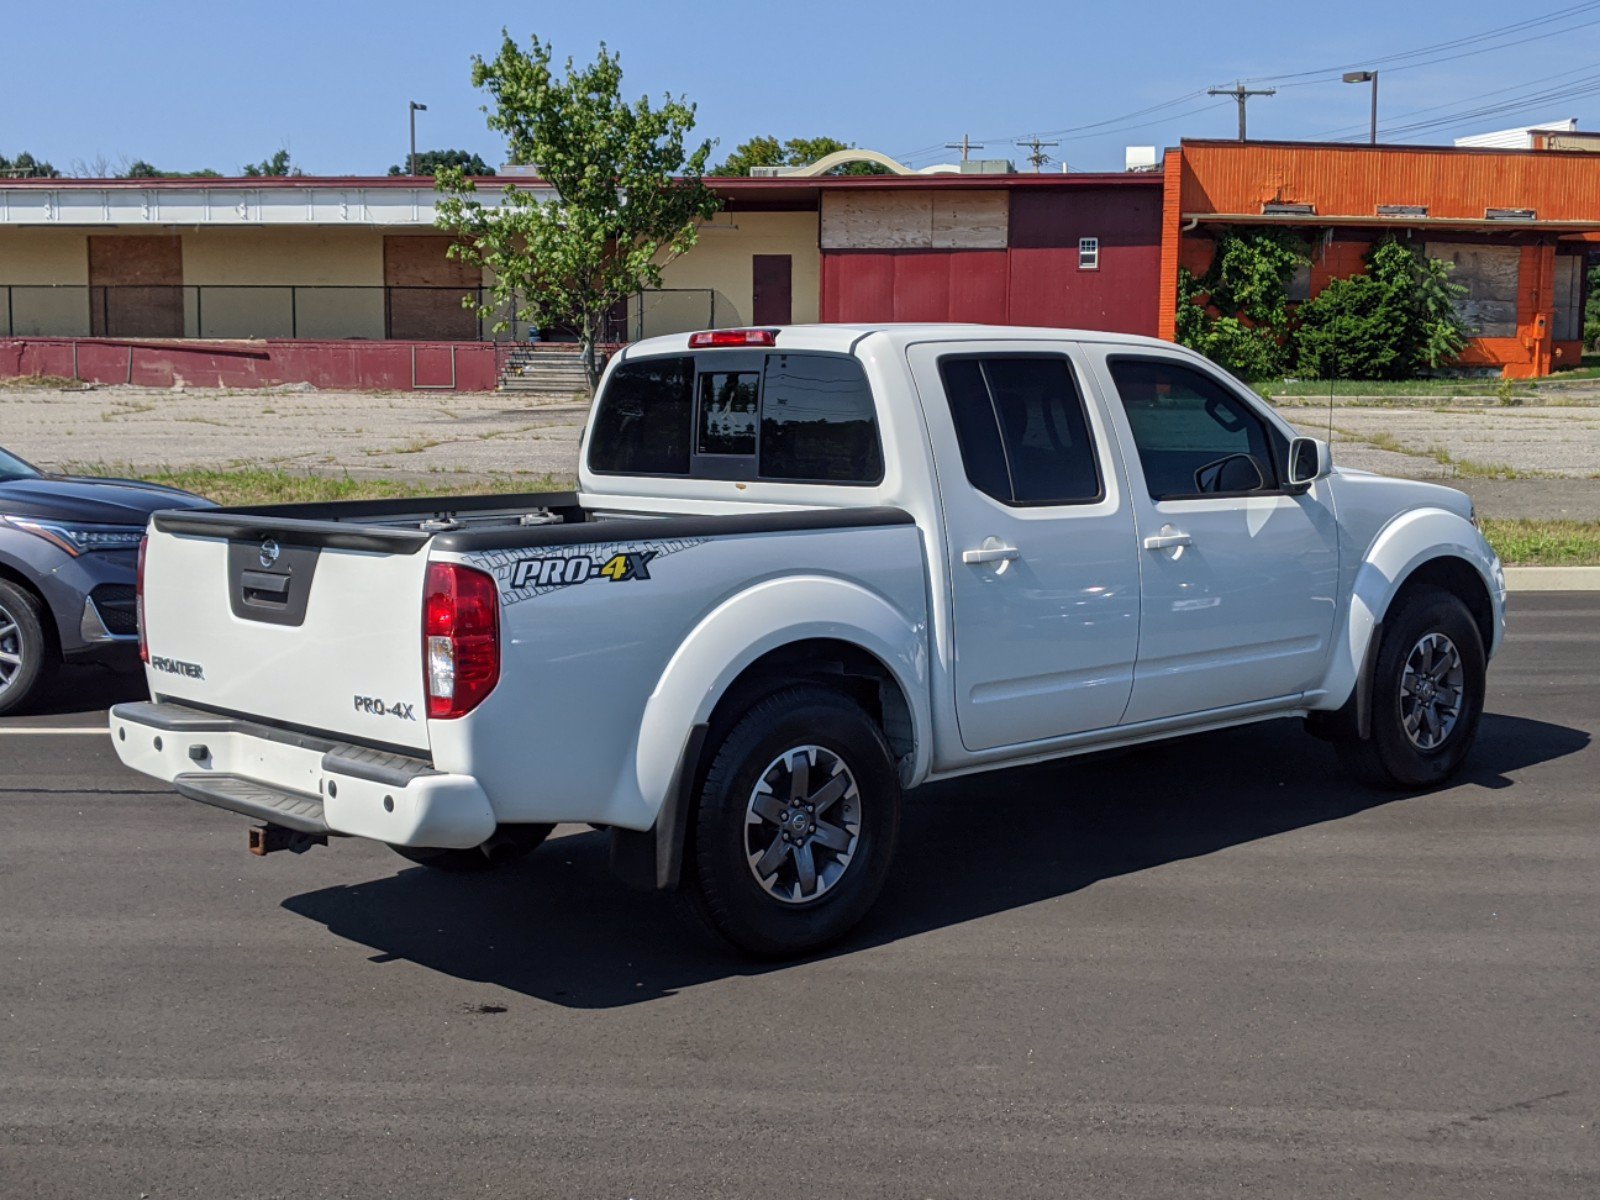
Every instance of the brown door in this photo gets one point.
(774, 289)
(135, 286)
(424, 288)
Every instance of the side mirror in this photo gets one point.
(1235, 473)
(1310, 459)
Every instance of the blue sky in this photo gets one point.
(187, 85)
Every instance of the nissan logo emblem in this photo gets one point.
(269, 552)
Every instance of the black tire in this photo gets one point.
(23, 637)
(1392, 757)
(510, 844)
(781, 740)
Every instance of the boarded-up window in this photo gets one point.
(1489, 273)
(135, 285)
(1569, 298)
(915, 220)
(425, 287)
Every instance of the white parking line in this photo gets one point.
(52, 731)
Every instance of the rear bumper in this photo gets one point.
(300, 781)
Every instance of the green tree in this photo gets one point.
(429, 161)
(1395, 321)
(796, 152)
(26, 166)
(277, 165)
(139, 169)
(629, 196)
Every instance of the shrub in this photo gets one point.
(1391, 323)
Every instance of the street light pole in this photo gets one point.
(1372, 78)
(411, 167)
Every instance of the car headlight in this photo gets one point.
(78, 539)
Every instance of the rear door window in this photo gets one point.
(1022, 428)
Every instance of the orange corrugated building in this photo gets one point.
(1517, 223)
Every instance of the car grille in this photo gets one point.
(116, 606)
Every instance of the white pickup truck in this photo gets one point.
(805, 571)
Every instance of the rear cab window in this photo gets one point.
(798, 417)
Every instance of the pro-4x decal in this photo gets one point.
(524, 574)
(563, 572)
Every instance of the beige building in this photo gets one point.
(327, 259)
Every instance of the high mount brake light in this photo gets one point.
(138, 604)
(460, 638)
(733, 337)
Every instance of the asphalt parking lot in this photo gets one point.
(1211, 967)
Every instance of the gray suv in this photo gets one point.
(69, 552)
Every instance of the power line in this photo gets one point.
(1390, 62)
(1351, 130)
(1454, 43)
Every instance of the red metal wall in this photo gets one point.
(1034, 281)
(338, 365)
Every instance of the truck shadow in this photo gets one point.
(560, 928)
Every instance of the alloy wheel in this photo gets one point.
(10, 648)
(802, 824)
(1431, 688)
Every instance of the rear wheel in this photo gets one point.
(1427, 695)
(26, 659)
(796, 824)
(510, 844)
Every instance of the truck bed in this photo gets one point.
(463, 524)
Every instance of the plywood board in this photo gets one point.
(877, 220)
(970, 220)
(1490, 275)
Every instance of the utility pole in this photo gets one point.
(1241, 93)
(1372, 78)
(1036, 155)
(964, 145)
(411, 167)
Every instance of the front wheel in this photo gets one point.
(510, 844)
(26, 659)
(796, 824)
(1427, 695)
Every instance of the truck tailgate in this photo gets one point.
(301, 622)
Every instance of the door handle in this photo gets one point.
(1167, 541)
(992, 550)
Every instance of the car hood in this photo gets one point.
(91, 501)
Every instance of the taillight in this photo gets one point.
(138, 603)
(732, 337)
(460, 638)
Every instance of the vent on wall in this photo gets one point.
(1283, 208)
(1403, 210)
(1510, 214)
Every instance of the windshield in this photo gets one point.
(12, 467)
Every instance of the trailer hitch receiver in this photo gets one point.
(267, 839)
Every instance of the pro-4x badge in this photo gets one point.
(566, 572)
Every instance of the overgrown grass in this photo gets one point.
(1313, 389)
(270, 485)
(37, 383)
(1545, 543)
